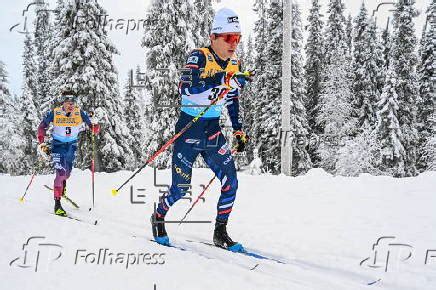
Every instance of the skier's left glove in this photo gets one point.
(242, 139)
(237, 80)
(44, 151)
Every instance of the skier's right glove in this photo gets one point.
(242, 139)
(44, 151)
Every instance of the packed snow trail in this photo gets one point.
(321, 226)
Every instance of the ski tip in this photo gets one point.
(95, 222)
(164, 241)
(236, 248)
(21, 199)
(114, 192)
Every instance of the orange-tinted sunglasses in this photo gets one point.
(230, 38)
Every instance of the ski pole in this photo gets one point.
(25, 192)
(21, 199)
(201, 194)
(174, 138)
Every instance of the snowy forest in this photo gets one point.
(363, 97)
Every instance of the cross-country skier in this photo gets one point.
(68, 121)
(213, 70)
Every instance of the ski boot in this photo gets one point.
(221, 238)
(158, 226)
(58, 210)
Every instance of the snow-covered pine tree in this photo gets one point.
(349, 31)
(43, 37)
(82, 61)
(269, 121)
(248, 97)
(261, 35)
(334, 104)
(11, 141)
(146, 109)
(301, 161)
(376, 38)
(403, 60)
(361, 152)
(203, 23)
(427, 91)
(28, 113)
(335, 31)
(386, 45)
(30, 69)
(269, 102)
(389, 133)
(134, 120)
(168, 40)
(313, 73)
(4, 118)
(367, 70)
(335, 111)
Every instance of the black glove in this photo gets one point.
(242, 139)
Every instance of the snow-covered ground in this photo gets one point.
(322, 227)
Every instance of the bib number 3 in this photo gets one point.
(216, 92)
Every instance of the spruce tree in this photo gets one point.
(11, 141)
(349, 31)
(301, 161)
(313, 73)
(202, 23)
(29, 120)
(367, 67)
(335, 111)
(247, 99)
(427, 92)
(83, 62)
(269, 120)
(168, 41)
(403, 60)
(389, 131)
(360, 153)
(134, 120)
(335, 32)
(43, 37)
(386, 45)
(261, 62)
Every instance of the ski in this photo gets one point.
(64, 196)
(77, 219)
(186, 249)
(170, 246)
(246, 252)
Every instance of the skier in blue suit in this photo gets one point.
(212, 70)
